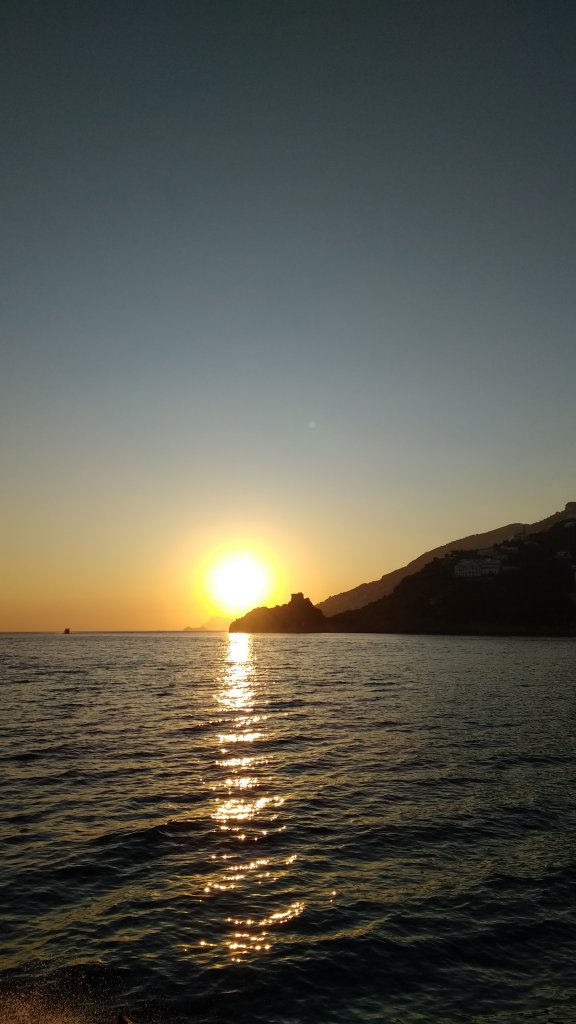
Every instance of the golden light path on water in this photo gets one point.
(245, 809)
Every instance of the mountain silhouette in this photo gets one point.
(524, 586)
(366, 593)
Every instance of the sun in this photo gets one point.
(239, 582)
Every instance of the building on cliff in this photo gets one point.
(474, 567)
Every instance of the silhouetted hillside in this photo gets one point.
(366, 593)
(523, 588)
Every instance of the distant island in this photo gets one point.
(214, 625)
(523, 586)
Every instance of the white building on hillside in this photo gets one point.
(473, 567)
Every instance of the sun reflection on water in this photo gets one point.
(236, 691)
(245, 811)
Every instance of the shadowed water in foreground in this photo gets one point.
(287, 829)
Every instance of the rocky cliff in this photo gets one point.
(298, 616)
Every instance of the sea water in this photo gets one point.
(290, 830)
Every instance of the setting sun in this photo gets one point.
(239, 582)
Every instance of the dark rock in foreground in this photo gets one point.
(298, 616)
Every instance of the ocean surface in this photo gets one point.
(287, 830)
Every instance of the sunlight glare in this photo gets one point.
(239, 582)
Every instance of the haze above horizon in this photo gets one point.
(287, 282)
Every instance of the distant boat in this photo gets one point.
(66, 630)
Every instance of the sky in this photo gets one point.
(294, 276)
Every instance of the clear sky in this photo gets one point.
(294, 273)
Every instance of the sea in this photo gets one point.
(312, 829)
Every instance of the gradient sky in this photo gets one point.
(298, 272)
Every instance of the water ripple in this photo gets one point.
(287, 829)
